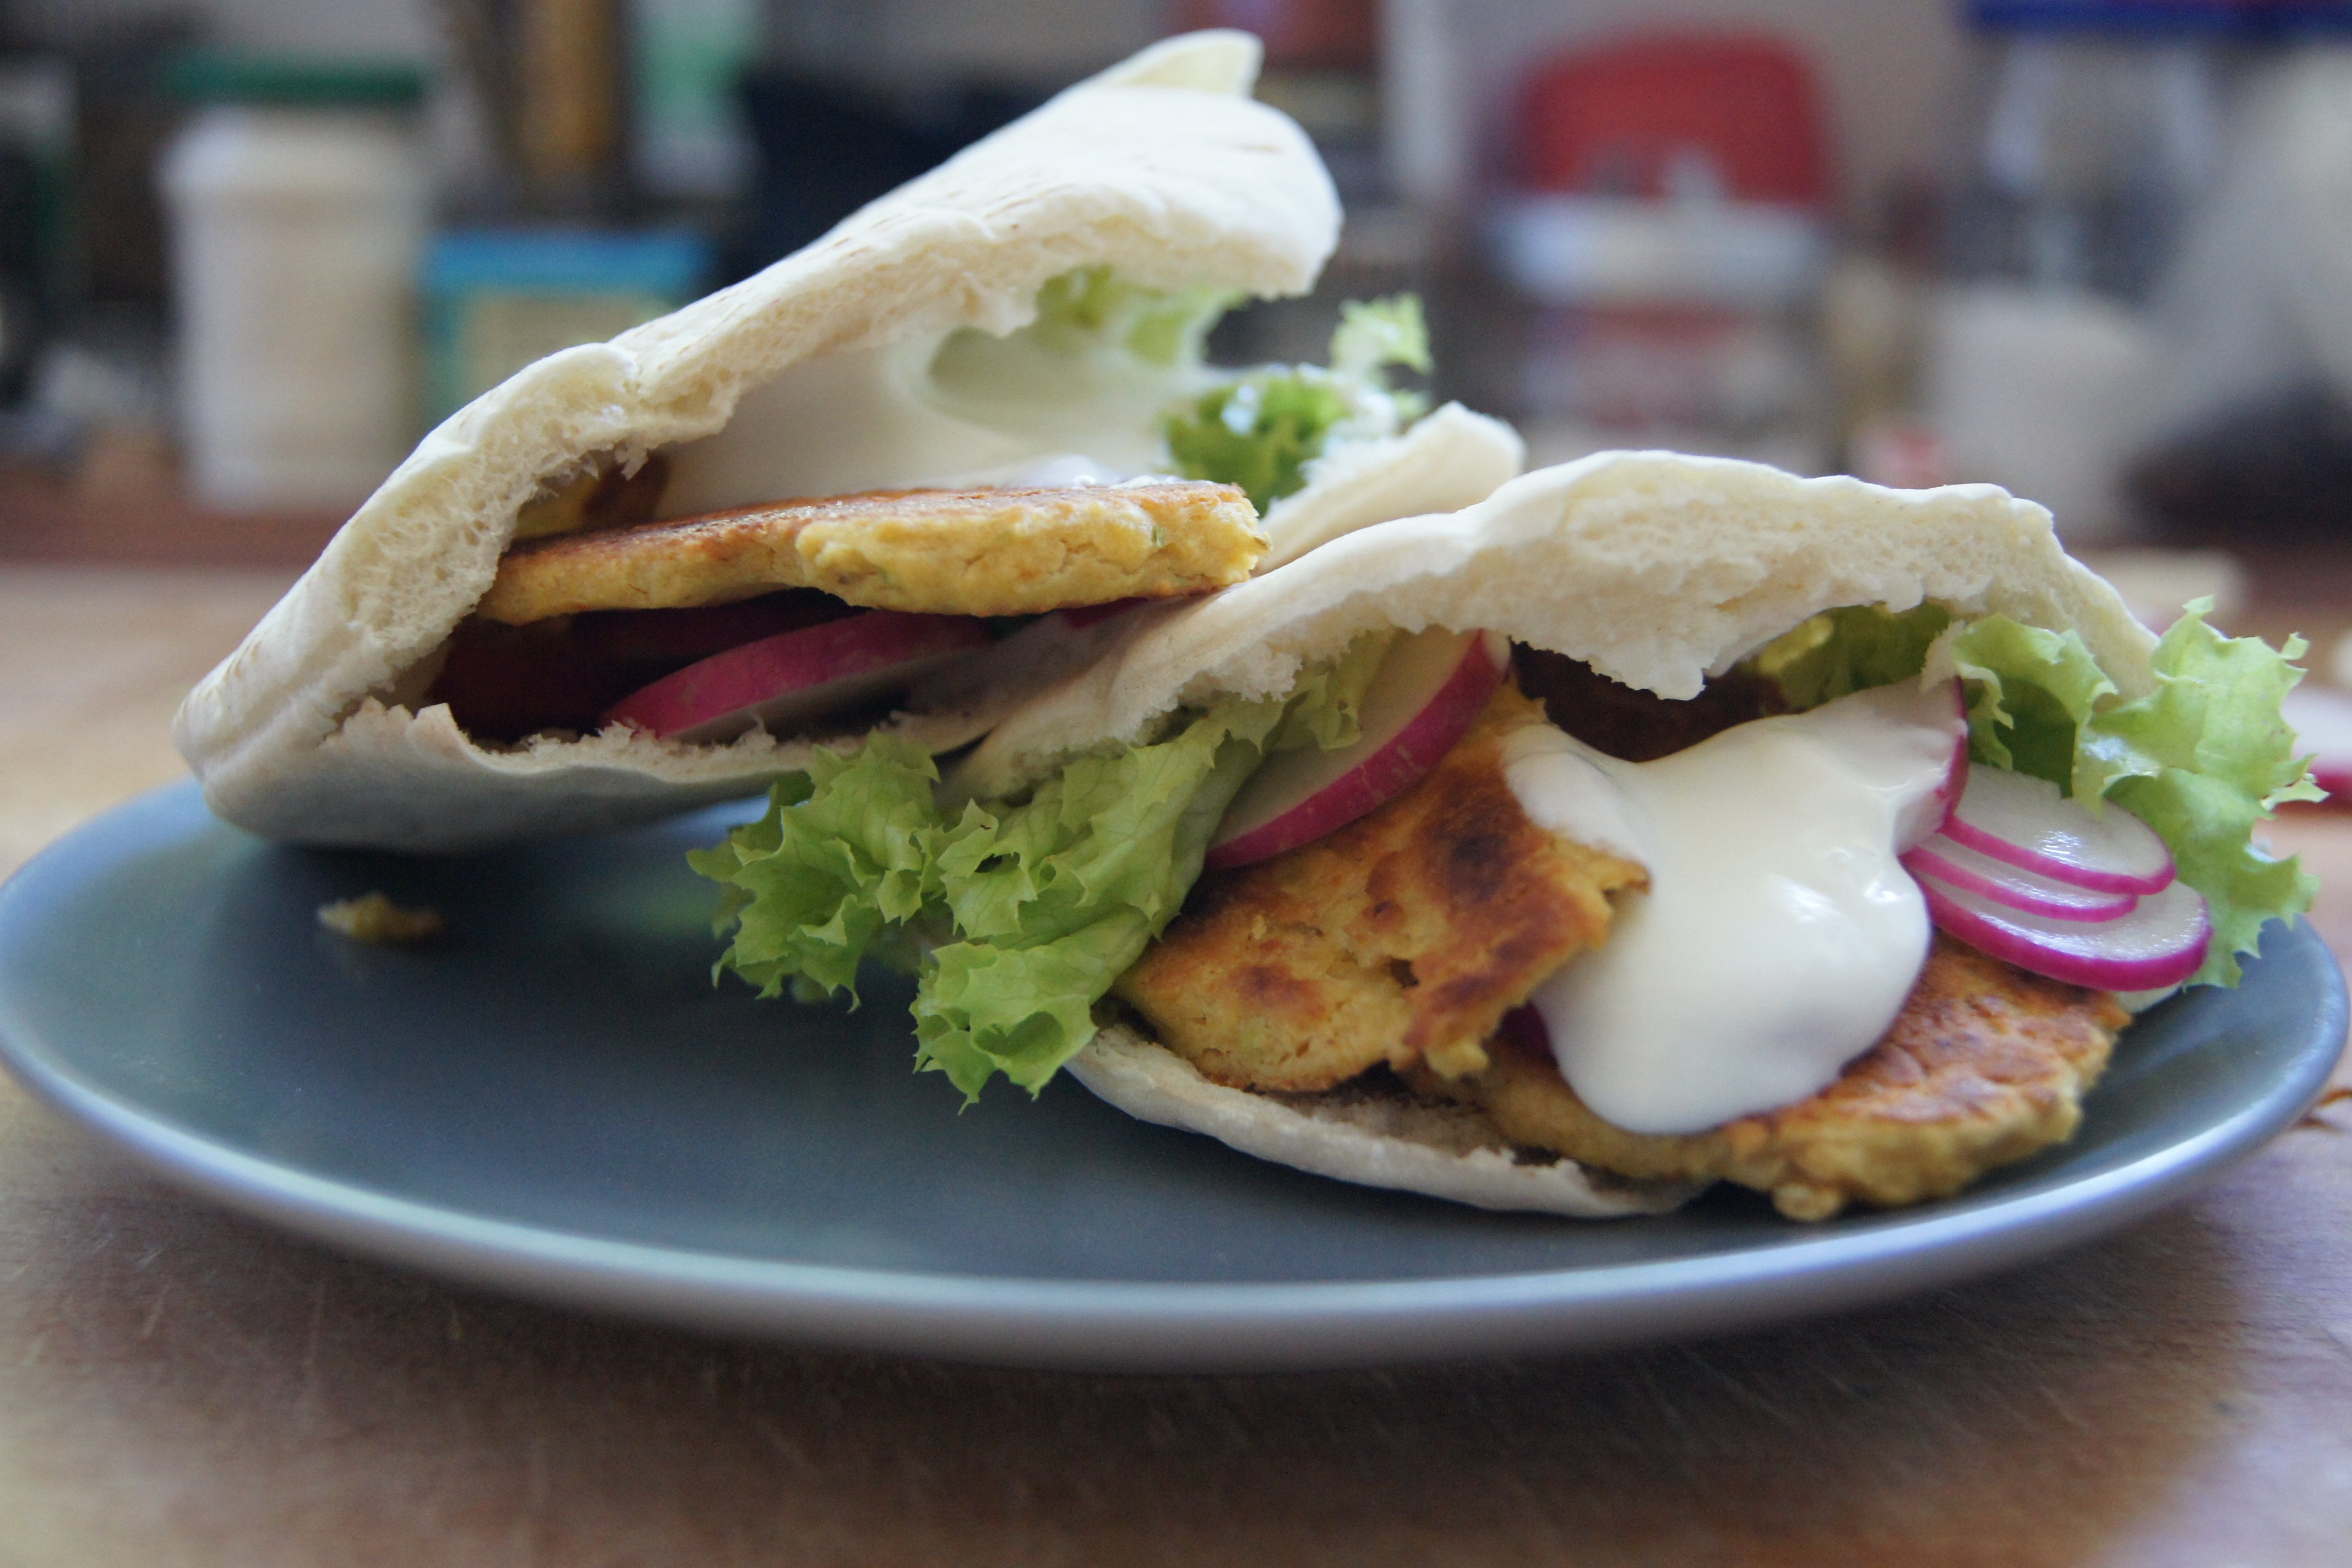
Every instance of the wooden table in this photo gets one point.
(181, 1385)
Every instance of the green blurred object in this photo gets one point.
(215, 76)
(687, 117)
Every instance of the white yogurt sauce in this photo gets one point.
(938, 409)
(1779, 937)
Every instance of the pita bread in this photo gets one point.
(1450, 459)
(1160, 168)
(1655, 568)
(1373, 1140)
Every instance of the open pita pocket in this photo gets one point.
(1657, 570)
(797, 382)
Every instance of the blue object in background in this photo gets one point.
(496, 299)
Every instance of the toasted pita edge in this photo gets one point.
(1657, 568)
(1152, 1083)
(1158, 167)
(1450, 459)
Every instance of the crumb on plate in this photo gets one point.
(373, 918)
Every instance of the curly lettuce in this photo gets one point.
(1263, 429)
(1840, 652)
(1092, 309)
(1015, 916)
(2202, 758)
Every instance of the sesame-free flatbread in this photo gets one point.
(317, 729)
(1657, 570)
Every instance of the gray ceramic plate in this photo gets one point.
(557, 1101)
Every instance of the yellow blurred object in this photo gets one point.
(570, 78)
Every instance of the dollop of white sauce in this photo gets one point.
(831, 425)
(940, 409)
(1779, 935)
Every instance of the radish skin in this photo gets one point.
(2006, 885)
(1301, 796)
(2161, 942)
(2024, 821)
(797, 676)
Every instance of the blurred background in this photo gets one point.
(2097, 250)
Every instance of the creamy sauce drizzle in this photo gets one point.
(1779, 937)
(956, 411)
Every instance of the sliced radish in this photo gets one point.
(2024, 821)
(1428, 691)
(1960, 867)
(680, 636)
(1946, 706)
(2161, 942)
(2322, 722)
(1956, 783)
(1080, 616)
(783, 682)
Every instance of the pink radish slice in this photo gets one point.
(1960, 867)
(1956, 783)
(2024, 821)
(679, 637)
(785, 681)
(2161, 942)
(2322, 722)
(1947, 706)
(1428, 691)
(1081, 616)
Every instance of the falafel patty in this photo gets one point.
(1985, 1065)
(1402, 939)
(1003, 552)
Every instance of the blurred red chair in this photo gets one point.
(1667, 220)
(1630, 118)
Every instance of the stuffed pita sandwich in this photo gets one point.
(1655, 821)
(977, 405)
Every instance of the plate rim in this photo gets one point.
(1169, 1326)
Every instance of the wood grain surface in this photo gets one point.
(178, 1385)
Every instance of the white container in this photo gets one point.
(2045, 391)
(296, 234)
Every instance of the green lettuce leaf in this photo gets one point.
(1262, 429)
(1016, 916)
(1055, 899)
(1374, 334)
(2202, 759)
(1091, 309)
(838, 855)
(1259, 432)
(2030, 693)
(1840, 652)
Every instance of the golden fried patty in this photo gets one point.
(1404, 936)
(974, 552)
(1985, 1064)
(1403, 939)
